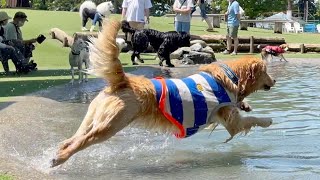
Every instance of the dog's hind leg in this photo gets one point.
(139, 58)
(80, 72)
(86, 124)
(164, 55)
(87, 67)
(133, 57)
(282, 57)
(111, 115)
(235, 123)
(72, 75)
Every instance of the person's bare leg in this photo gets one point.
(236, 44)
(229, 43)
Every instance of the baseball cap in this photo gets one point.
(21, 15)
(4, 16)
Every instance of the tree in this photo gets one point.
(307, 8)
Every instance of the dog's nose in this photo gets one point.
(274, 81)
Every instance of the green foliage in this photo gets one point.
(3, 3)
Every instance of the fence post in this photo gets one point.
(251, 44)
(302, 48)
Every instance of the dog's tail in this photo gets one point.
(87, 4)
(104, 54)
(126, 28)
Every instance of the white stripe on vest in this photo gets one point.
(193, 100)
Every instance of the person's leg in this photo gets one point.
(234, 35)
(229, 40)
(85, 18)
(185, 26)
(16, 56)
(178, 26)
(205, 17)
(97, 18)
(4, 59)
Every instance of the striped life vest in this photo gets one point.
(190, 103)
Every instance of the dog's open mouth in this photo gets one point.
(266, 87)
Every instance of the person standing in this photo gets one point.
(182, 8)
(136, 12)
(232, 17)
(202, 5)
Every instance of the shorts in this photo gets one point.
(182, 26)
(232, 31)
(135, 25)
(203, 11)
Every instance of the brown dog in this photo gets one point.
(134, 98)
(268, 52)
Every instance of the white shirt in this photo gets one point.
(183, 4)
(135, 9)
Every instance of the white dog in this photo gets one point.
(121, 43)
(78, 55)
(88, 9)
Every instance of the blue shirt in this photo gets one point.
(193, 101)
(233, 10)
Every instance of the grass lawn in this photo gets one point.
(5, 177)
(53, 62)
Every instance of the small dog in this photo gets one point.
(88, 9)
(212, 96)
(163, 42)
(271, 51)
(121, 43)
(78, 55)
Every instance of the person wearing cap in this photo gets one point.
(14, 35)
(7, 51)
(13, 30)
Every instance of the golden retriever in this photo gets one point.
(133, 98)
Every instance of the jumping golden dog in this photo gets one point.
(134, 98)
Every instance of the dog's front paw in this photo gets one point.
(265, 122)
(244, 106)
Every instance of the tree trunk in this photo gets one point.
(306, 10)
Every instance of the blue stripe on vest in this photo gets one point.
(158, 88)
(191, 131)
(217, 89)
(175, 101)
(199, 102)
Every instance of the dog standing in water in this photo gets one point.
(268, 52)
(211, 97)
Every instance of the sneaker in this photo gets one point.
(226, 52)
(233, 53)
(84, 29)
(209, 29)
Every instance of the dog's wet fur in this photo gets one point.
(129, 98)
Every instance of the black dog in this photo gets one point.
(162, 42)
